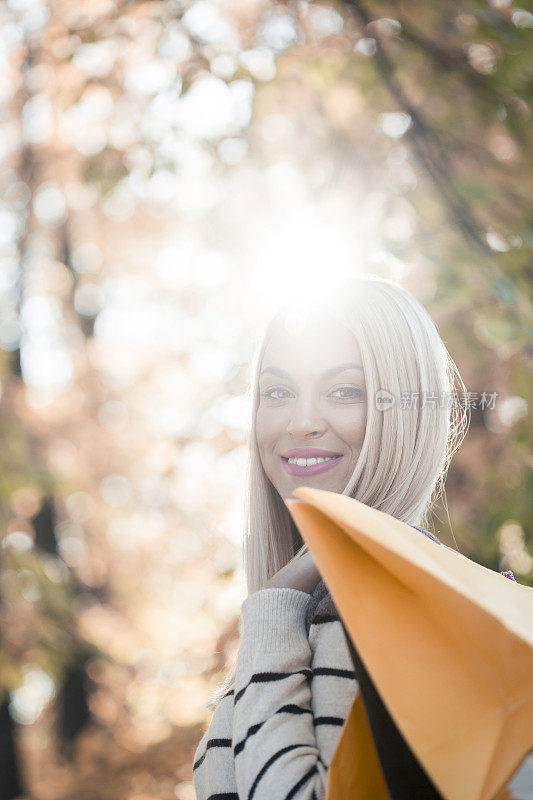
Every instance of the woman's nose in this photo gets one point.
(305, 418)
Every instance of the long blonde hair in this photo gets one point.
(406, 450)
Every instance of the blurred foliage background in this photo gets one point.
(169, 171)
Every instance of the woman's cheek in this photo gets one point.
(352, 429)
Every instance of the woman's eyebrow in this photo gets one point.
(281, 373)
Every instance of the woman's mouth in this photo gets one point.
(309, 466)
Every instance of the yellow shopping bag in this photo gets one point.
(443, 650)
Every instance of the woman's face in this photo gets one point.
(312, 397)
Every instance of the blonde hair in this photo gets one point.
(406, 450)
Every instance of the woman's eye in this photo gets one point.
(347, 392)
(269, 393)
(353, 391)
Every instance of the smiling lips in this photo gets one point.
(303, 454)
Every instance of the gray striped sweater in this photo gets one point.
(274, 732)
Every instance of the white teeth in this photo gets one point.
(307, 462)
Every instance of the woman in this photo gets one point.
(356, 395)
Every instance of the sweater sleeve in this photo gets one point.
(213, 766)
(275, 749)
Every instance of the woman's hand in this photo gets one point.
(300, 573)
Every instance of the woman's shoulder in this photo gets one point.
(427, 533)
